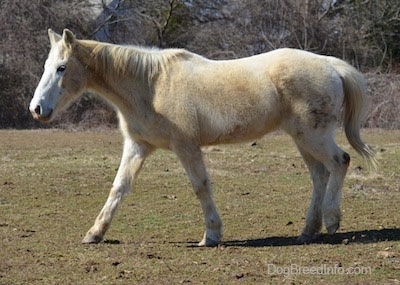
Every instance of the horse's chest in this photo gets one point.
(149, 131)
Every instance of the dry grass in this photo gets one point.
(53, 184)
(365, 33)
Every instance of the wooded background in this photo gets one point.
(364, 33)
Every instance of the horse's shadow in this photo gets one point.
(361, 237)
(357, 237)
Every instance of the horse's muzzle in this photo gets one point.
(41, 114)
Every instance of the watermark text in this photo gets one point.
(324, 269)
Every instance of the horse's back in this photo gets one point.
(239, 100)
(233, 100)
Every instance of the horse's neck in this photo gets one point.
(106, 79)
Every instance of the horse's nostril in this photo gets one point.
(37, 110)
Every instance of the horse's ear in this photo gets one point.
(54, 37)
(68, 38)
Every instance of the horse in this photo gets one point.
(177, 100)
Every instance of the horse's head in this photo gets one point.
(63, 79)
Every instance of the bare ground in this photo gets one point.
(54, 183)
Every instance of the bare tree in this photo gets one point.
(365, 33)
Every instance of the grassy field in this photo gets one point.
(54, 183)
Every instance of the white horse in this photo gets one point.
(177, 100)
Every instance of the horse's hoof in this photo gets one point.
(332, 228)
(88, 239)
(307, 239)
(207, 242)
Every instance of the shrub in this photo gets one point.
(24, 47)
(365, 33)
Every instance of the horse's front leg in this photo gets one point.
(192, 160)
(132, 160)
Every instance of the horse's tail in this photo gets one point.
(355, 104)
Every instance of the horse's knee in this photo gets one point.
(346, 159)
(202, 188)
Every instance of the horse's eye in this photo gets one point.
(61, 68)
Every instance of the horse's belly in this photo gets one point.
(234, 125)
(219, 133)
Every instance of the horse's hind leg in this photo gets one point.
(331, 204)
(319, 176)
(192, 160)
(132, 160)
(323, 148)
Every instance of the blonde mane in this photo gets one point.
(114, 61)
